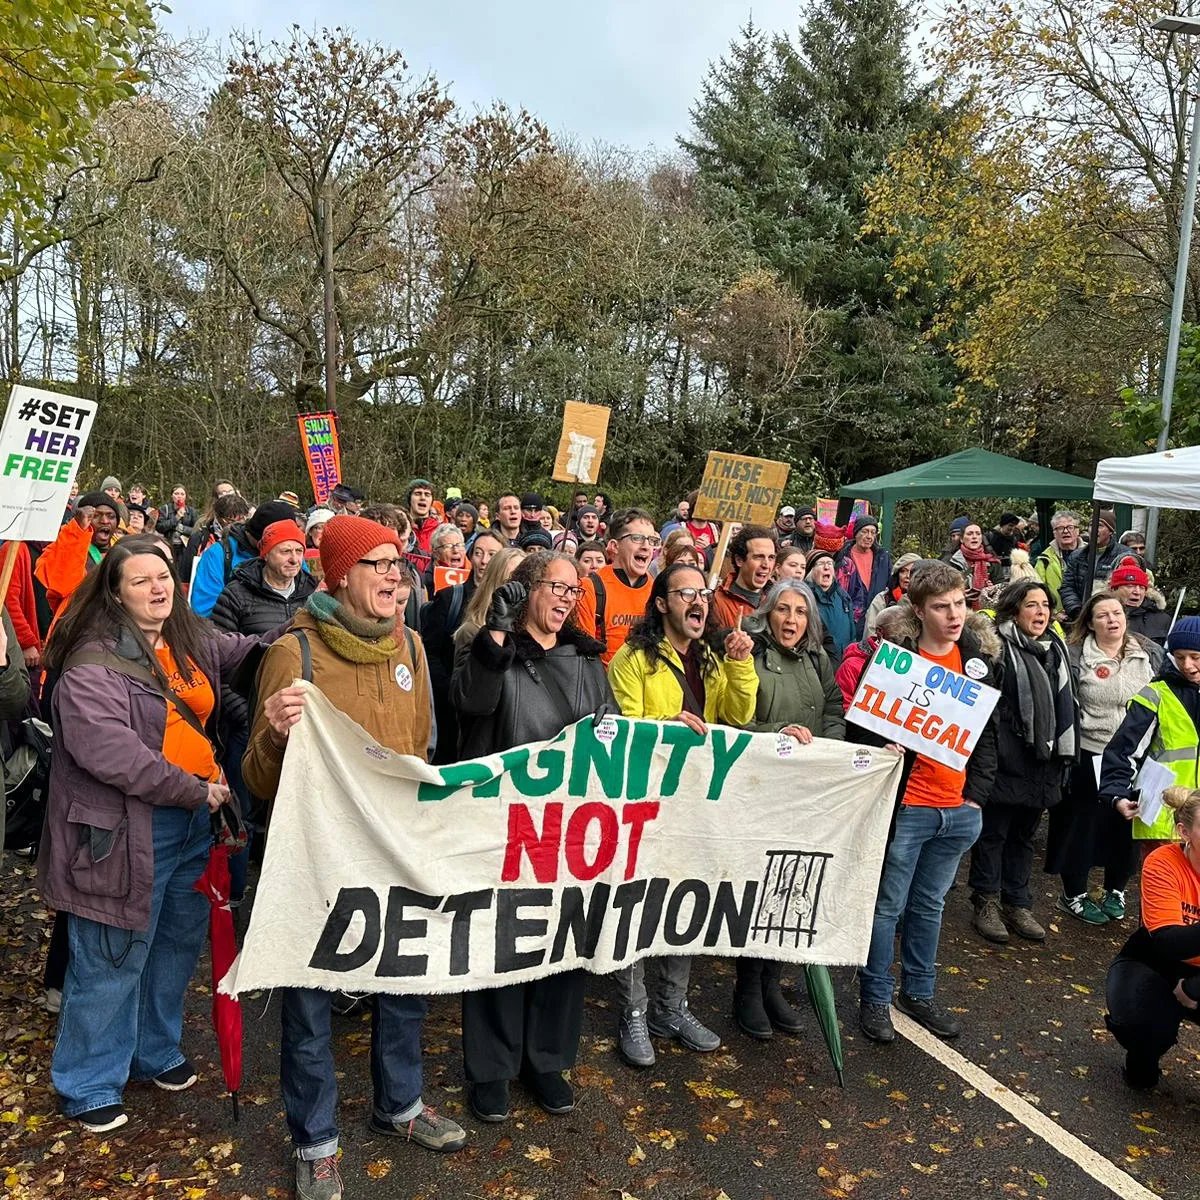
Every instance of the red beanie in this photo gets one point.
(1128, 572)
(277, 533)
(347, 539)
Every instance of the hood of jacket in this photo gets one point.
(979, 627)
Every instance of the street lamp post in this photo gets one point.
(1189, 27)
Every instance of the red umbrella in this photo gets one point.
(226, 1011)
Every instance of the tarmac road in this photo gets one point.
(753, 1121)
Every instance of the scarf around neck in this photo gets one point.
(979, 561)
(1045, 701)
(356, 639)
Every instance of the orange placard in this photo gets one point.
(581, 444)
(319, 440)
(444, 577)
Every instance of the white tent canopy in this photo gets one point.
(1168, 479)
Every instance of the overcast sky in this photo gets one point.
(622, 71)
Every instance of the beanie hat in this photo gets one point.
(97, 500)
(413, 484)
(268, 514)
(1009, 518)
(110, 481)
(535, 538)
(465, 506)
(829, 536)
(276, 534)
(318, 516)
(346, 540)
(1128, 572)
(454, 493)
(814, 556)
(805, 510)
(1109, 517)
(866, 521)
(1185, 635)
(959, 524)
(532, 500)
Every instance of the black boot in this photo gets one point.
(748, 1008)
(779, 1012)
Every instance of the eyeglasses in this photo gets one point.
(1066, 528)
(382, 565)
(642, 539)
(691, 595)
(564, 591)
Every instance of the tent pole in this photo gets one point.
(1093, 534)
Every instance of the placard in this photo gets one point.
(444, 577)
(322, 453)
(737, 488)
(922, 706)
(827, 510)
(41, 447)
(601, 846)
(581, 445)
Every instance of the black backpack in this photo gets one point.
(27, 747)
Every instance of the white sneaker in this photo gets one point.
(53, 1000)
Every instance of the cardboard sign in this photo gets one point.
(41, 446)
(737, 488)
(581, 446)
(319, 440)
(923, 706)
(595, 848)
(444, 577)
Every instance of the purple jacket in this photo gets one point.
(106, 776)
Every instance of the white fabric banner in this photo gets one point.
(607, 844)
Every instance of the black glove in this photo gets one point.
(502, 613)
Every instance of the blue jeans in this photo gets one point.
(122, 1005)
(306, 1072)
(918, 869)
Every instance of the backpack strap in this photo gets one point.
(305, 655)
(601, 603)
(227, 551)
(457, 594)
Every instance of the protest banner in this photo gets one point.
(581, 444)
(444, 577)
(827, 510)
(322, 453)
(603, 845)
(922, 706)
(42, 442)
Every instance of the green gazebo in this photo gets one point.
(968, 473)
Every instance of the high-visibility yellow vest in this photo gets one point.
(1175, 745)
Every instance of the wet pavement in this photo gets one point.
(754, 1121)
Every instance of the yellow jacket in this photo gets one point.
(655, 694)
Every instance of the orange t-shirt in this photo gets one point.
(931, 784)
(182, 745)
(1170, 891)
(623, 606)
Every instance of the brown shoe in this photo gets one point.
(1021, 921)
(987, 920)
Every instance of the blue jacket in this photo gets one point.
(214, 570)
(837, 616)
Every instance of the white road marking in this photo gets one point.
(1067, 1144)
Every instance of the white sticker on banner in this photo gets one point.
(976, 668)
(861, 760)
(606, 730)
(785, 745)
(404, 678)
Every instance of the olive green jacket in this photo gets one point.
(795, 688)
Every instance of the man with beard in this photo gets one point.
(81, 543)
(614, 597)
(785, 526)
(806, 528)
(752, 552)
(508, 517)
(667, 672)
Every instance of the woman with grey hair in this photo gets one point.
(798, 697)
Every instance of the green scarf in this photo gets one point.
(356, 639)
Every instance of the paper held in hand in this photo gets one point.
(41, 447)
(922, 706)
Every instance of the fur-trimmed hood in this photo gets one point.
(979, 625)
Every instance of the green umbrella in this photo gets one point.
(820, 994)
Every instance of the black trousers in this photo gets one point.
(534, 1025)
(1143, 1014)
(1002, 858)
(1085, 833)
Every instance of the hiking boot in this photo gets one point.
(748, 1010)
(1084, 908)
(684, 1028)
(987, 920)
(930, 1014)
(779, 1012)
(428, 1128)
(1022, 922)
(489, 1101)
(551, 1090)
(875, 1020)
(319, 1179)
(53, 1000)
(1113, 905)
(1140, 1073)
(633, 1039)
(177, 1079)
(101, 1120)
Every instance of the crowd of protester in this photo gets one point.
(162, 645)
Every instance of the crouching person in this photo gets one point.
(372, 668)
(939, 816)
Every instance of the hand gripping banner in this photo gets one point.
(606, 844)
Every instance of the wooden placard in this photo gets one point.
(738, 488)
(581, 446)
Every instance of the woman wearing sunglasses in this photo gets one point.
(530, 673)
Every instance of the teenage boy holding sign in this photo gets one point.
(938, 819)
